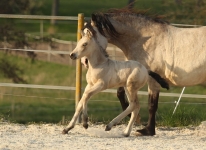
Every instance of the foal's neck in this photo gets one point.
(97, 57)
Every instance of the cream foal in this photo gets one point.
(104, 73)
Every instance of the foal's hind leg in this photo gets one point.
(117, 119)
(133, 99)
(124, 103)
(133, 107)
(133, 118)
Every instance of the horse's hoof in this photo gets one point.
(85, 126)
(145, 132)
(65, 131)
(107, 128)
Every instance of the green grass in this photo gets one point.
(184, 116)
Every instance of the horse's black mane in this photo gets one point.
(102, 21)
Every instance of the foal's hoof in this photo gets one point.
(65, 131)
(107, 128)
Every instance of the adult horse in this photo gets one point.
(176, 54)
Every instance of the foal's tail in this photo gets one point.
(159, 79)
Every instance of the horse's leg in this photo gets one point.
(74, 119)
(122, 115)
(133, 118)
(133, 107)
(153, 89)
(124, 103)
(89, 91)
(121, 96)
(131, 91)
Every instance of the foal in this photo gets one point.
(104, 73)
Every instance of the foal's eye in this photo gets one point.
(85, 44)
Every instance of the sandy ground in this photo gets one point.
(48, 136)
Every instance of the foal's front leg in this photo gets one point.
(89, 91)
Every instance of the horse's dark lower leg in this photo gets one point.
(153, 105)
(122, 99)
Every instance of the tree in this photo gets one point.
(12, 6)
(13, 37)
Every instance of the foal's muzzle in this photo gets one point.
(73, 56)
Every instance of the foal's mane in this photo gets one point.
(102, 21)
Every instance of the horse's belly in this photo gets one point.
(180, 78)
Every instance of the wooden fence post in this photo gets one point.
(78, 64)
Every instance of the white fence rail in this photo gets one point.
(42, 17)
(108, 90)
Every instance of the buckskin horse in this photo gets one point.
(176, 54)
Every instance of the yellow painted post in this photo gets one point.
(78, 63)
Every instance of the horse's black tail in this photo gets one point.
(159, 79)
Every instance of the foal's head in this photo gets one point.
(85, 46)
(91, 40)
